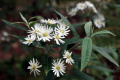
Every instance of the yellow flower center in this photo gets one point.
(34, 67)
(68, 56)
(48, 22)
(58, 67)
(74, 11)
(98, 22)
(62, 30)
(57, 36)
(35, 31)
(81, 5)
(29, 40)
(45, 34)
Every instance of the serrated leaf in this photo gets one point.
(86, 52)
(105, 54)
(88, 28)
(102, 32)
(67, 22)
(14, 25)
(23, 18)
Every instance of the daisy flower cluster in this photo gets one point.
(82, 6)
(99, 21)
(44, 32)
(58, 65)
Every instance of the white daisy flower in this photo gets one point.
(73, 11)
(99, 21)
(67, 56)
(91, 5)
(45, 33)
(35, 31)
(58, 67)
(94, 10)
(34, 65)
(58, 38)
(62, 29)
(29, 39)
(63, 24)
(81, 6)
(49, 21)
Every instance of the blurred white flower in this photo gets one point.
(99, 21)
(67, 56)
(29, 39)
(91, 5)
(94, 10)
(81, 6)
(2, 38)
(58, 67)
(35, 30)
(49, 21)
(45, 33)
(58, 38)
(62, 29)
(5, 33)
(34, 65)
(73, 11)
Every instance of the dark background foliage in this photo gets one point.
(14, 56)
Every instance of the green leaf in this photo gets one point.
(86, 52)
(67, 42)
(23, 18)
(47, 63)
(18, 37)
(36, 17)
(105, 54)
(88, 28)
(50, 76)
(67, 22)
(102, 32)
(37, 45)
(14, 25)
(80, 75)
(78, 24)
(32, 23)
(101, 68)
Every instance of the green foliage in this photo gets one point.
(86, 52)
(14, 25)
(88, 28)
(106, 55)
(23, 18)
(102, 32)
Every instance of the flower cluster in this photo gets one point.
(58, 65)
(99, 21)
(44, 32)
(82, 6)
